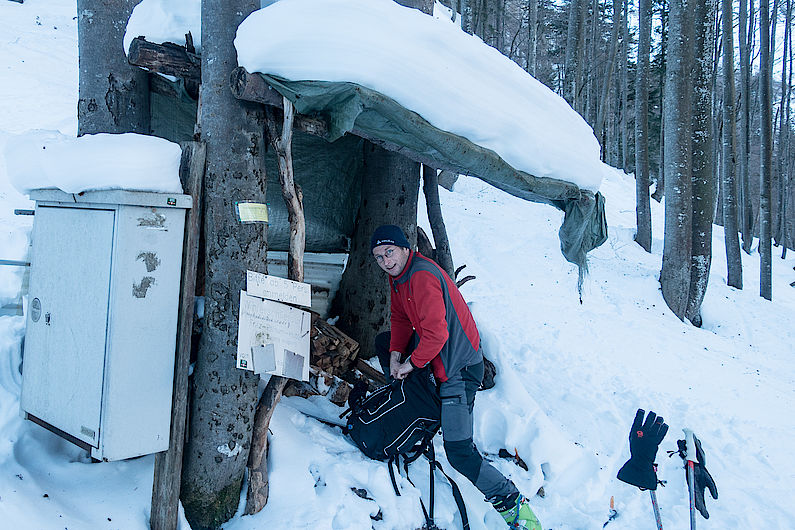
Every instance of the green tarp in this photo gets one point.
(352, 108)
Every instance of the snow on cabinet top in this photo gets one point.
(49, 159)
(426, 64)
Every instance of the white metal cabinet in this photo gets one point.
(98, 364)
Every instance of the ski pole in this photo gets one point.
(690, 459)
(656, 509)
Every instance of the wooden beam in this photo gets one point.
(168, 464)
(167, 59)
(252, 87)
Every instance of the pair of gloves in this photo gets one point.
(640, 470)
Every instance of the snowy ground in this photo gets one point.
(570, 375)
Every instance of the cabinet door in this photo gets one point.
(63, 364)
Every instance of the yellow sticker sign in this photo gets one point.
(252, 212)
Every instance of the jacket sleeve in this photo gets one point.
(400, 325)
(429, 300)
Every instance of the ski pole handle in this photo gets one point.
(690, 446)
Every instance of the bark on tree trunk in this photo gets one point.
(744, 197)
(733, 259)
(766, 155)
(224, 397)
(569, 76)
(624, 87)
(113, 96)
(390, 185)
(532, 39)
(430, 186)
(703, 187)
(675, 273)
(643, 208)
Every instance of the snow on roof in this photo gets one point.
(428, 65)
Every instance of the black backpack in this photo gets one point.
(399, 420)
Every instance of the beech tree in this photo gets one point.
(766, 156)
(113, 96)
(224, 397)
(643, 207)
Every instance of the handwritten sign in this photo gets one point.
(279, 289)
(273, 338)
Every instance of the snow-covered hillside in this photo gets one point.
(570, 375)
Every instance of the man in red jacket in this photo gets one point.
(431, 323)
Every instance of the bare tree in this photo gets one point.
(766, 155)
(676, 261)
(703, 183)
(746, 212)
(570, 81)
(783, 130)
(643, 208)
(113, 95)
(532, 36)
(224, 397)
(734, 262)
(624, 86)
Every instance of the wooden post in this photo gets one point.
(258, 456)
(168, 464)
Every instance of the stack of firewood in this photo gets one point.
(333, 352)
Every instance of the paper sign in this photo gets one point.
(252, 212)
(273, 338)
(279, 289)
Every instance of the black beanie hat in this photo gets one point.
(389, 235)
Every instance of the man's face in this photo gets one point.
(391, 259)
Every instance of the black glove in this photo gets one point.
(701, 476)
(643, 443)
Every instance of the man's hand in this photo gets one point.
(394, 363)
(404, 370)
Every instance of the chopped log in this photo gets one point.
(370, 372)
(168, 59)
(251, 87)
(331, 350)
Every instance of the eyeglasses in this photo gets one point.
(387, 254)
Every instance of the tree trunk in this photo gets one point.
(430, 186)
(390, 185)
(625, 86)
(734, 262)
(744, 197)
(766, 155)
(783, 128)
(224, 397)
(569, 69)
(643, 208)
(675, 273)
(113, 95)
(703, 186)
(600, 120)
(659, 190)
(532, 39)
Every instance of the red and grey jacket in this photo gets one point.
(424, 299)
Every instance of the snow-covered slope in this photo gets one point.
(570, 375)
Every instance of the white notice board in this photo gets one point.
(278, 289)
(273, 338)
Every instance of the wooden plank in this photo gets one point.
(168, 464)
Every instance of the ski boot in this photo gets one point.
(515, 509)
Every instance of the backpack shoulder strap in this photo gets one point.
(459, 499)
